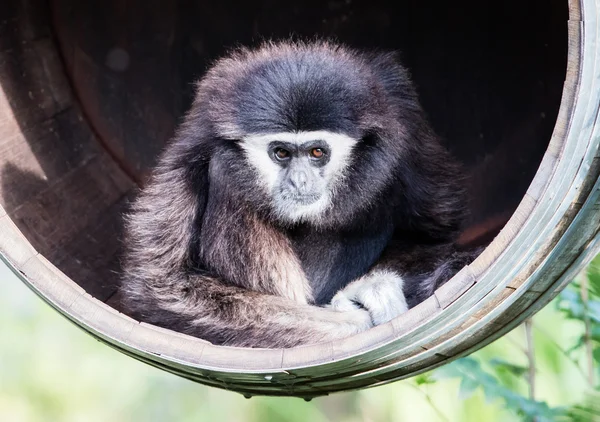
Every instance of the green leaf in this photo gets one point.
(580, 343)
(593, 274)
(594, 310)
(571, 305)
(425, 378)
(454, 369)
(595, 332)
(501, 364)
(467, 388)
(473, 376)
(596, 354)
(588, 410)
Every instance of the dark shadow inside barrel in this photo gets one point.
(490, 77)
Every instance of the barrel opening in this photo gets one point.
(91, 93)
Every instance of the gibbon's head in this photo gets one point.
(314, 132)
(299, 170)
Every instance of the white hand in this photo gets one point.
(379, 292)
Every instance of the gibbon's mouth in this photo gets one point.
(304, 199)
(290, 196)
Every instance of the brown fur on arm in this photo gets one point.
(163, 284)
(244, 249)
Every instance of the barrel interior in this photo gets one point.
(91, 92)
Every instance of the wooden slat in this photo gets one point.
(57, 184)
(461, 282)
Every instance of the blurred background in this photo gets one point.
(52, 371)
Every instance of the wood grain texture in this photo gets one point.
(488, 91)
(57, 184)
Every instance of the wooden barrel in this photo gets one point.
(90, 91)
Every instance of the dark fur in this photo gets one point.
(207, 256)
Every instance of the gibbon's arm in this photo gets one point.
(424, 268)
(402, 279)
(163, 286)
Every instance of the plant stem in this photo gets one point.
(589, 350)
(530, 357)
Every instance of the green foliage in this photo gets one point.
(503, 366)
(571, 304)
(588, 410)
(423, 379)
(593, 273)
(584, 307)
(579, 304)
(473, 376)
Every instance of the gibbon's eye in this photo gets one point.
(281, 154)
(317, 153)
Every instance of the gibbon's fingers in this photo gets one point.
(379, 292)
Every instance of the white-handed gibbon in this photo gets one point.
(304, 198)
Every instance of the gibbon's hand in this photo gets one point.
(379, 292)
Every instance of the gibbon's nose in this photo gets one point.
(299, 181)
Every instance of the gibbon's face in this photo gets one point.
(309, 122)
(299, 170)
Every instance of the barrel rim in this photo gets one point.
(550, 236)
